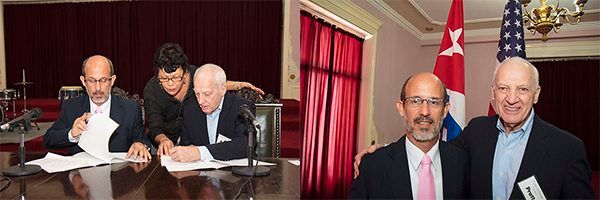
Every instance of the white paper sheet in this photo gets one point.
(56, 163)
(174, 166)
(95, 139)
(295, 162)
(52, 163)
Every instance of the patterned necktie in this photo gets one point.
(98, 111)
(426, 183)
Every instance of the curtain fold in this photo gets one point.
(330, 80)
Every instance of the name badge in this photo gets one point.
(531, 189)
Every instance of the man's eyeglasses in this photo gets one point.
(174, 79)
(102, 80)
(414, 102)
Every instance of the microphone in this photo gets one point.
(247, 114)
(32, 115)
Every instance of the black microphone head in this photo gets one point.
(245, 111)
(36, 113)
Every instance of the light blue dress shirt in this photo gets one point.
(508, 156)
(212, 122)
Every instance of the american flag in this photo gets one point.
(512, 37)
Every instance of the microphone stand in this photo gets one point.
(22, 169)
(251, 170)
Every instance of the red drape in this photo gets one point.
(51, 41)
(330, 79)
(570, 100)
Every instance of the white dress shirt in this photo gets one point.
(415, 155)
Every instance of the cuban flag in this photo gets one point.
(450, 68)
(512, 38)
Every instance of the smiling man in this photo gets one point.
(516, 145)
(419, 165)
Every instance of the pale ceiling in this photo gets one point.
(429, 16)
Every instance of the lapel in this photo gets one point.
(533, 156)
(116, 112)
(85, 106)
(398, 170)
(488, 145)
(226, 108)
(449, 178)
(202, 120)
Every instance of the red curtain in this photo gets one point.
(50, 41)
(330, 78)
(570, 100)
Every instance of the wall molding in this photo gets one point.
(563, 49)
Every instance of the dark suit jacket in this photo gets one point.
(557, 159)
(126, 113)
(384, 174)
(195, 132)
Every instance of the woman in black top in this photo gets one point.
(166, 93)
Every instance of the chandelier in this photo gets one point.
(547, 17)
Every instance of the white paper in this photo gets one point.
(56, 163)
(173, 165)
(95, 139)
(531, 189)
(222, 138)
(295, 162)
(52, 163)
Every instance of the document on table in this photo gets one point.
(173, 165)
(56, 163)
(95, 139)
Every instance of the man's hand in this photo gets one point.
(164, 145)
(139, 151)
(80, 125)
(360, 154)
(185, 153)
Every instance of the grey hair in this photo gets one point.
(112, 69)
(213, 70)
(518, 60)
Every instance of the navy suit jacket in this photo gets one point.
(126, 113)
(556, 158)
(384, 174)
(231, 125)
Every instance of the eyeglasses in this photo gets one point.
(102, 80)
(174, 79)
(414, 102)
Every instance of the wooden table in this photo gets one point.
(150, 181)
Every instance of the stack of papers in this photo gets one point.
(174, 166)
(94, 142)
(56, 163)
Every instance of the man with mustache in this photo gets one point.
(97, 75)
(516, 145)
(418, 165)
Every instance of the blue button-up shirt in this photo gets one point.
(510, 149)
(212, 122)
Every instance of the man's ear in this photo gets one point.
(400, 108)
(82, 79)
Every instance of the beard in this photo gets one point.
(424, 134)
